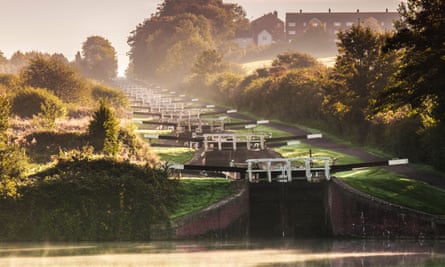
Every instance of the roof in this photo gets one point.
(271, 23)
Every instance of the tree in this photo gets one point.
(99, 58)
(4, 117)
(103, 130)
(55, 75)
(295, 61)
(166, 48)
(210, 61)
(361, 72)
(420, 79)
(167, 45)
(12, 159)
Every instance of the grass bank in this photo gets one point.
(197, 193)
(396, 189)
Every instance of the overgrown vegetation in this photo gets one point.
(84, 199)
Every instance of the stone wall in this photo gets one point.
(354, 214)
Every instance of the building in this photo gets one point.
(334, 22)
(267, 29)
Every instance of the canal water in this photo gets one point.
(258, 253)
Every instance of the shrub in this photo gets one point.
(103, 130)
(89, 200)
(34, 101)
(114, 97)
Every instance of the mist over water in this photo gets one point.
(262, 253)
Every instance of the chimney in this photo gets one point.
(358, 10)
(275, 13)
(387, 10)
(329, 11)
(301, 11)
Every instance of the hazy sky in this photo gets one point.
(61, 26)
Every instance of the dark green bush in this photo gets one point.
(103, 130)
(89, 200)
(30, 102)
(114, 97)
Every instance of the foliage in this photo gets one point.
(114, 97)
(209, 62)
(56, 76)
(4, 117)
(30, 102)
(103, 130)
(419, 81)
(166, 46)
(361, 72)
(11, 82)
(295, 60)
(99, 59)
(89, 200)
(12, 158)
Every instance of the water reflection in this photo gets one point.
(258, 253)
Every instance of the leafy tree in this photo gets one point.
(55, 75)
(210, 61)
(361, 71)
(226, 18)
(12, 159)
(420, 79)
(4, 117)
(294, 61)
(168, 44)
(166, 48)
(99, 58)
(103, 130)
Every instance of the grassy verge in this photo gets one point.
(396, 189)
(262, 129)
(197, 193)
(302, 150)
(179, 155)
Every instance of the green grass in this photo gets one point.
(179, 155)
(263, 129)
(302, 150)
(396, 189)
(197, 193)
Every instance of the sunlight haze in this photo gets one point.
(55, 26)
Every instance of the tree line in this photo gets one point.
(385, 90)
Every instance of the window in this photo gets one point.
(292, 24)
(304, 24)
(349, 24)
(337, 24)
(383, 24)
(291, 32)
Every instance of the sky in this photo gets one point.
(61, 26)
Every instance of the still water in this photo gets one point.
(285, 253)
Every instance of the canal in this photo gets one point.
(259, 253)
